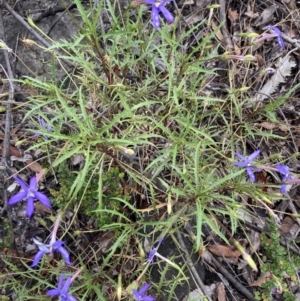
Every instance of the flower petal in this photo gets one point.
(32, 184)
(21, 183)
(42, 247)
(150, 2)
(241, 164)
(151, 255)
(254, 155)
(136, 294)
(283, 189)
(274, 28)
(38, 256)
(280, 42)
(66, 286)
(166, 13)
(57, 244)
(42, 122)
(283, 169)
(148, 298)
(60, 281)
(53, 292)
(16, 198)
(30, 206)
(36, 135)
(144, 288)
(287, 178)
(250, 174)
(42, 198)
(70, 298)
(155, 17)
(159, 242)
(65, 254)
(241, 156)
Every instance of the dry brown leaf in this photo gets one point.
(287, 224)
(261, 279)
(219, 34)
(221, 293)
(266, 16)
(224, 251)
(40, 208)
(260, 60)
(13, 151)
(271, 125)
(233, 15)
(251, 14)
(34, 166)
(291, 4)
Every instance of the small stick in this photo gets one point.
(191, 266)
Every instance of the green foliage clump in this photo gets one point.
(89, 192)
(276, 261)
(7, 236)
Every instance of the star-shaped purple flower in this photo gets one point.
(153, 252)
(278, 35)
(29, 193)
(62, 290)
(140, 294)
(285, 171)
(157, 7)
(248, 164)
(51, 248)
(45, 126)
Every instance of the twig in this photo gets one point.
(6, 140)
(52, 12)
(67, 9)
(191, 266)
(289, 129)
(224, 27)
(12, 102)
(294, 210)
(223, 271)
(239, 287)
(293, 42)
(260, 230)
(9, 75)
(26, 25)
(32, 31)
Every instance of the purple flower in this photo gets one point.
(51, 248)
(153, 252)
(157, 7)
(29, 193)
(140, 295)
(278, 34)
(285, 171)
(247, 163)
(62, 290)
(45, 126)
